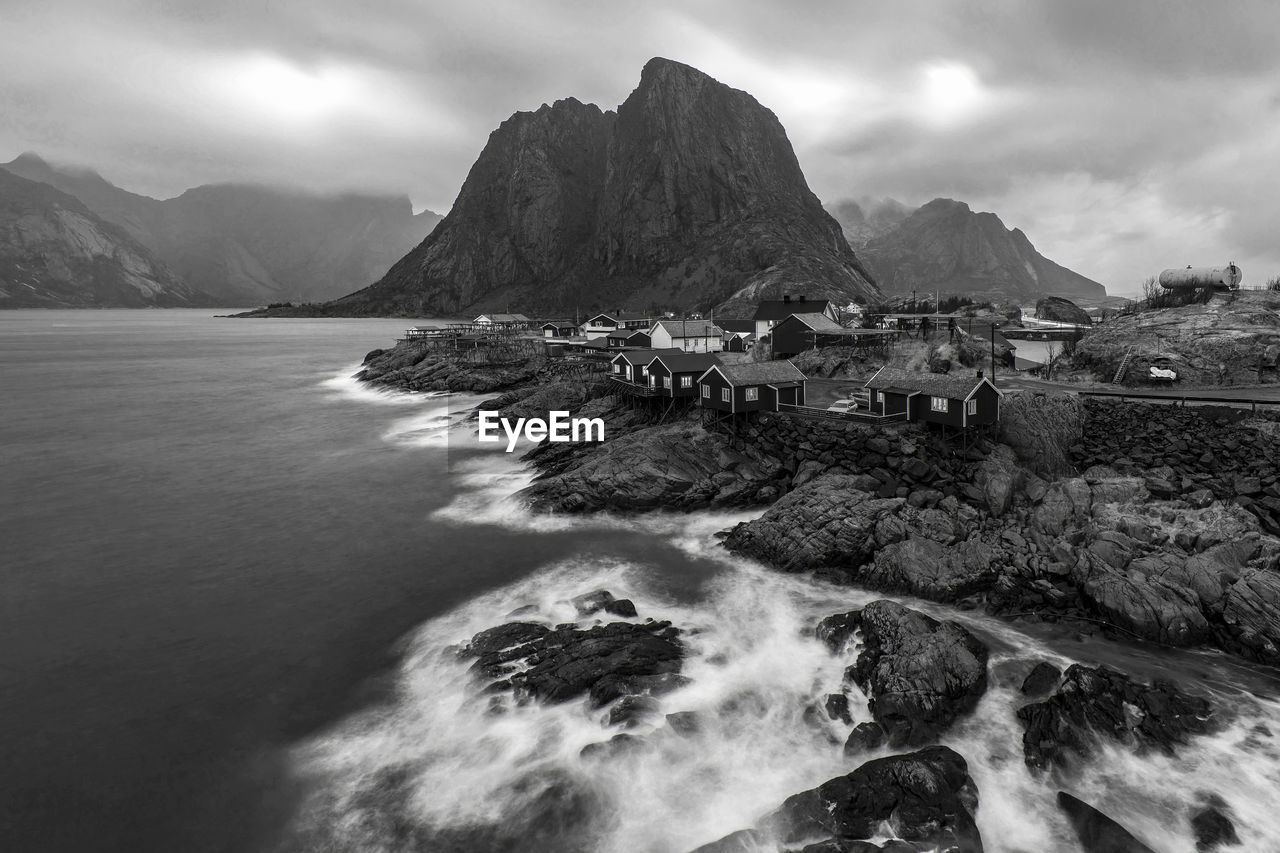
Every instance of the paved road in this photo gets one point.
(1270, 393)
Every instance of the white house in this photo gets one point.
(686, 335)
(603, 325)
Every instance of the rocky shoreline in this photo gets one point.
(1148, 524)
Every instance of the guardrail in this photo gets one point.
(1252, 402)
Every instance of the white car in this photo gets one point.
(843, 406)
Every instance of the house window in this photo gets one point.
(644, 371)
(706, 390)
(880, 397)
(726, 395)
(971, 407)
(938, 404)
(753, 394)
(666, 381)
(617, 368)
(689, 343)
(687, 382)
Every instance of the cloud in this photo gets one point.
(1122, 137)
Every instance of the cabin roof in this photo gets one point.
(690, 328)
(761, 373)
(679, 361)
(637, 357)
(933, 384)
(504, 318)
(778, 309)
(817, 322)
(621, 316)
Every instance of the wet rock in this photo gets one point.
(827, 522)
(614, 746)
(632, 711)
(603, 662)
(920, 797)
(742, 841)
(1102, 702)
(865, 737)
(1042, 678)
(837, 707)
(684, 723)
(1097, 832)
(919, 674)
(998, 476)
(1041, 428)
(838, 629)
(929, 569)
(1212, 825)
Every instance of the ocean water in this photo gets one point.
(233, 582)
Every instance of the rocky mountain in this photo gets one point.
(56, 253)
(689, 196)
(251, 244)
(948, 247)
(866, 218)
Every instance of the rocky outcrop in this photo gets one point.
(1097, 832)
(1182, 452)
(677, 466)
(246, 245)
(1061, 310)
(919, 674)
(602, 663)
(688, 196)
(56, 253)
(1234, 339)
(946, 246)
(922, 800)
(925, 797)
(1100, 702)
(1042, 428)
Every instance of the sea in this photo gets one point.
(233, 584)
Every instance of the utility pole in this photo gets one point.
(993, 353)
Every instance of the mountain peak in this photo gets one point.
(946, 205)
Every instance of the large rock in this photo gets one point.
(1061, 310)
(925, 797)
(919, 674)
(929, 569)
(688, 195)
(1101, 702)
(827, 523)
(998, 476)
(604, 662)
(673, 466)
(1097, 832)
(1041, 427)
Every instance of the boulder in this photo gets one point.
(603, 662)
(1041, 427)
(919, 674)
(864, 738)
(998, 476)
(826, 523)
(1043, 677)
(925, 798)
(1102, 702)
(1212, 826)
(929, 569)
(1097, 832)
(1060, 310)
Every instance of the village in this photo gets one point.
(732, 369)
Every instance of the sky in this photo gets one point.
(1122, 137)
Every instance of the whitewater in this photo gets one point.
(437, 765)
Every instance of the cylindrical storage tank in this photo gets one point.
(1220, 278)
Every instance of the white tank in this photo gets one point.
(1218, 278)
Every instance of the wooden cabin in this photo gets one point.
(602, 325)
(687, 335)
(629, 338)
(675, 373)
(738, 335)
(938, 398)
(752, 387)
(632, 366)
(507, 321)
(771, 312)
(559, 329)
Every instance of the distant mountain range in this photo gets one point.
(57, 253)
(248, 245)
(944, 246)
(688, 197)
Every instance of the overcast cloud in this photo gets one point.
(1122, 137)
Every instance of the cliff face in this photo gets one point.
(689, 196)
(946, 246)
(55, 253)
(248, 244)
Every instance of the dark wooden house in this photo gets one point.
(632, 366)
(629, 338)
(771, 312)
(559, 329)
(946, 399)
(752, 387)
(675, 373)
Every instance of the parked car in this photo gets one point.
(843, 406)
